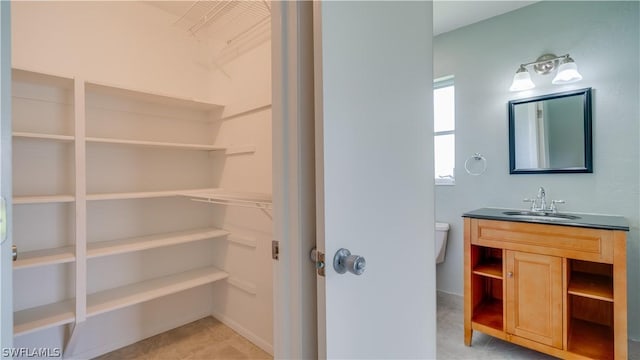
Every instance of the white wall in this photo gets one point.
(602, 37)
(117, 42)
(247, 87)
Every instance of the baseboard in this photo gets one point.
(151, 332)
(449, 293)
(255, 339)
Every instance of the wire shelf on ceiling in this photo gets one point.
(234, 27)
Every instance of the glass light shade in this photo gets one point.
(567, 73)
(522, 81)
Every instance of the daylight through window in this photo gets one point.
(444, 130)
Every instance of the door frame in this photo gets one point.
(294, 278)
(6, 263)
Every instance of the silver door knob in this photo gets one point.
(343, 261)
(14, 252)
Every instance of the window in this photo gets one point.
(444, 126)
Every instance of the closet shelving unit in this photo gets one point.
(110, 144)
(43, 148)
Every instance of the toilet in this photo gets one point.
(442, 230)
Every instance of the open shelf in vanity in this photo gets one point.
(487, 283)
(590, 301)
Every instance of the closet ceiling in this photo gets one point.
(230, 28)
(219, 19)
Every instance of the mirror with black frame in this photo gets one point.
(551, 133)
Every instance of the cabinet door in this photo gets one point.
(534, 297)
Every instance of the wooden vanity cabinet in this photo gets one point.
(550, 288)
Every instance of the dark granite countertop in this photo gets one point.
(607, 222)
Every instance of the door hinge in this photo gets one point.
(275, 250)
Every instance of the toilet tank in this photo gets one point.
(442, 232)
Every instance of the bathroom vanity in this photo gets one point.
(555, 284)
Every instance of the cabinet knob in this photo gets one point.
(510, 274)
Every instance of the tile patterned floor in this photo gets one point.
(206, 339)
(450, 338)
(209, 339)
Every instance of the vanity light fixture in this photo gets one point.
(567, 71)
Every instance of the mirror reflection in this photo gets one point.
(551, 133)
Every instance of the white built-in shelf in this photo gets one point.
(32, 77)
(155, 144)
(121, 297)
(151, 97)
(42, 317)
(44, 257)
(225, 197)
(138, 195)
(112, 247)
(42, 199)
(42, 136)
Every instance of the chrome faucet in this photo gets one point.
(539, 204)
(542, 199)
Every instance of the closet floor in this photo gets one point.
(206, 338)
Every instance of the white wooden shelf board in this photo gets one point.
(112, 247)
(44, 257)
(155, 144)
(42, 199)
(121, 297)
(42, 317)
(42, 136)
(151, 97)
(29, 76)
(139, 194)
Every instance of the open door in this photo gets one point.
(6, 293)
(374, 179)
(369, 111)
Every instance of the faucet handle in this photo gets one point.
(554, 208)
(532, 201)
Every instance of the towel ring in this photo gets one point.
(479, 161)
